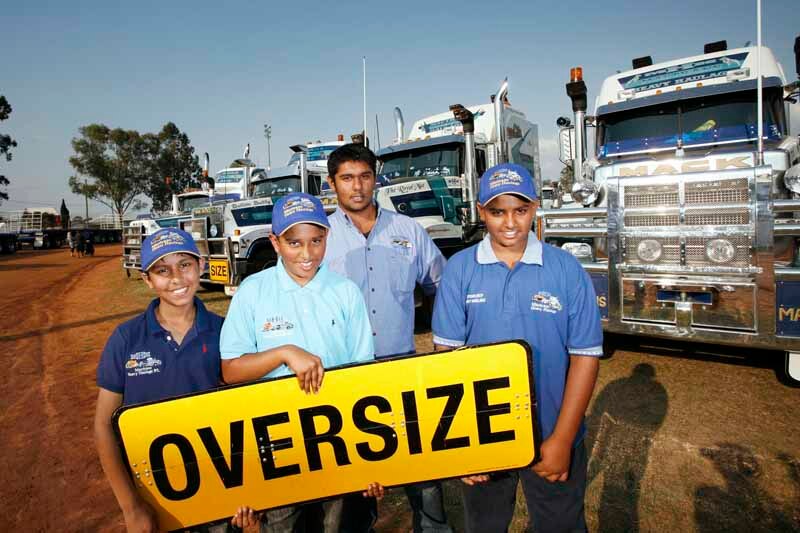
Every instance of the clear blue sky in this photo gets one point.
(220, 70)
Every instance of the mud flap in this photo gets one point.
(792, 368)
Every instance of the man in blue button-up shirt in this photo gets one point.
(386, 254)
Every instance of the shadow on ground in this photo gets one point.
(626, 414)
(741, 504)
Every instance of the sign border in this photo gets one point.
(537, 435)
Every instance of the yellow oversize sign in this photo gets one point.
(197, 458)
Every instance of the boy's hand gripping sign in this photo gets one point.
(197, 458)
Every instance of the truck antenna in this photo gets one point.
(759, 88)
(364, 70)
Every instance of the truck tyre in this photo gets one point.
(261, 259)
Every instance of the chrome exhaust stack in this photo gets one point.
(470, 190)
(399, 126)
(499, 98)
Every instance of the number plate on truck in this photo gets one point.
(218, 270)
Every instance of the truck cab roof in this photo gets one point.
(688, 77)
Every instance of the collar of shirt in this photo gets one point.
(201, 321)
(342, 215)
(289, 285)
(532, 255)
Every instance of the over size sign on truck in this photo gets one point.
(197, 458)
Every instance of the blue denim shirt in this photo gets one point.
(386, 266)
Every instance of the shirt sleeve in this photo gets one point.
(585, 333)
(449, 322)
(430, 261)
(238, 336)
(111, 368)
(359, 342)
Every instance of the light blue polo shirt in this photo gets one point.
(386, 266)
(325, 317)
(547, 299)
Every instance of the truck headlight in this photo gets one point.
(720, 251)
(649, 250)
(213, 230)
(792, 179)
(585, 192)
(580, 250)
(236, 248)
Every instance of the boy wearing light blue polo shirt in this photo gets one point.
(296, 318)
(511, 286)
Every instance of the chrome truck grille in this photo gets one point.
(705, 223)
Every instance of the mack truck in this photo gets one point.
(688, 204)
(431, 175)
(234, 236)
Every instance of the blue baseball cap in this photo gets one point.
(507, 178)
(297, 208)
(164, 242)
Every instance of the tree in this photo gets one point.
(116, 161)
(566, 178)
(171, 155)
(6, 144)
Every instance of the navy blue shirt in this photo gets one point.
(547, 299)
(143, 362)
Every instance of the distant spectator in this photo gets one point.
(89, 237)
(71, 243)
(81, 245)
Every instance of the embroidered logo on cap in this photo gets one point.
(298, 205)
(505, 177)
(167, 238)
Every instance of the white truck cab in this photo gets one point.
(431, 175)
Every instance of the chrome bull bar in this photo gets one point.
(785, 266)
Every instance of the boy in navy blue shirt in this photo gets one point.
(169, 350)
(511, 286)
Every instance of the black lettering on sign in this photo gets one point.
(454, 394)
(266, 446)
(374, 428)
(313, 439)
(412, 422)
(485, 411)
(231, 475)
(189, 459)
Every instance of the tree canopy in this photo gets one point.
(6, 144)
(124, 164)
(171, 155)
(116, 162)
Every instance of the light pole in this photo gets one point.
(268, 135)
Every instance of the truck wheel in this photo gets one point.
(791, 369)
(261, 260)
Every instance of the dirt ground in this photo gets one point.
(681, 438)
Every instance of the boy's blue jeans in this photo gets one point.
(552, 507)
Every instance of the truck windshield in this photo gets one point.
(230, 176)
(314, 153)
(190, 202)
(698, 121)
(171, 222)
(250, 216)
(441, 160)
(276, 187)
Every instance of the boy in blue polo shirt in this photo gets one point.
(511, 286)
(296, 318)
(170, 350)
